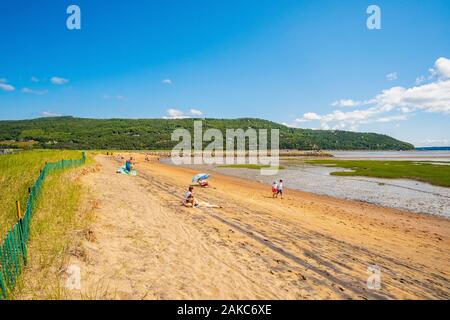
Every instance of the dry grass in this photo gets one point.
(58, 223)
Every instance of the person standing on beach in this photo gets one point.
(280, 189)
(274, 189)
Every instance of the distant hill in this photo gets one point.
(138, 134)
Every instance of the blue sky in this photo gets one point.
(311, 64)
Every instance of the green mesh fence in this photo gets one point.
(13, 249)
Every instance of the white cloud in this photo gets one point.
(309, 116)
(399, 117)
(289, 125)
(392, 76)
(339, 120)
(432, 97)
(50, 114)
(6, 87)
(58, 80)
(31, 91)
(167, 81)
(349, 103)
(324, 126)
(178, 114)
(420, 80)
(175, 114)
(34, 79)
(407, 110)
(442, 67)
(196, 112)
(440, 71)
(434, 142)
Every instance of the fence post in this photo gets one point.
(19, 214)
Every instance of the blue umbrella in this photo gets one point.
(200, 176)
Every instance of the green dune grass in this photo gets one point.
(18, 172)
(435, 174)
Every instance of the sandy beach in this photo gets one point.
(145, 245)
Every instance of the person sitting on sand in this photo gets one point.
(189, 199)
(280, 188)
(129, 164)
(191, 202)
(274, 189)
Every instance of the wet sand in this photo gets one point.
(305, 246)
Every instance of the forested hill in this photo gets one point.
(78, 133)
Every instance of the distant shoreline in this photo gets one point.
(432, 148)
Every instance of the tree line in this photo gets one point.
(155, 134)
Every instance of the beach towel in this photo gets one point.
(123, 170)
